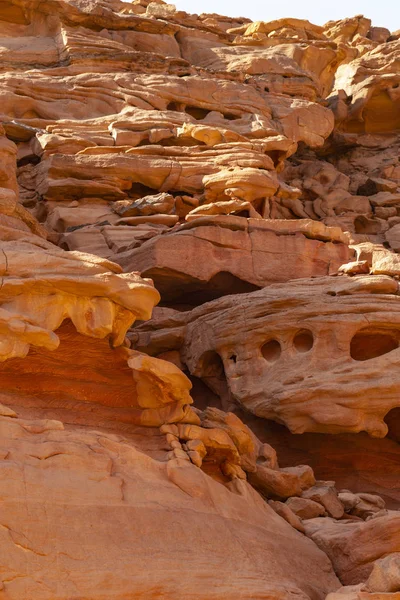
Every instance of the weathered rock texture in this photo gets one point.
(94, 511)
(245, 176)
(287, 351)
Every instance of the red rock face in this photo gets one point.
(245, 177)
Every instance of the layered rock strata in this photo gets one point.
(244, 175)
(286, 351)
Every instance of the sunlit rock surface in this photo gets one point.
(244, 177)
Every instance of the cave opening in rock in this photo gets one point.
(214, 377)
(371, 343)
(231, 117)
(275, 156)
(175, 106)
(392, 420)
(138, 190)
(202, 394)
(176, 289)
(197, 112)
(212, 365)
(360, 463)
(30, 159)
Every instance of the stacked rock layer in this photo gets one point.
(241, 440)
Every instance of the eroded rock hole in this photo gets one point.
(271, 350)
(303, 341)
(367, 344)
(196, 112)
(185, 290)
(177, 106)
(231, 117)
(275, 156)
(392, 420)
(138, 190)
(213, 375)
(202, 394)
(31, 159)
(212, 365)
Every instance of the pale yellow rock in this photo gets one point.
(5, 411)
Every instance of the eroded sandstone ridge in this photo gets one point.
(245, 177)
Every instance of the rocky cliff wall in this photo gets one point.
(244, 177)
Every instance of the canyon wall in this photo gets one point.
(199, 305)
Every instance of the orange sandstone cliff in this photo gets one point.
(199, 305)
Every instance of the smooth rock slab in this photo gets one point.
(237, 255)
(87, 513)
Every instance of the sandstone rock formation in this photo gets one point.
(105, 514)
(238, 255)
(244, 176)
(287, 351)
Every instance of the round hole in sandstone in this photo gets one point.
(271, 350)
(370, 343)
(303, 341)
(211, 365)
